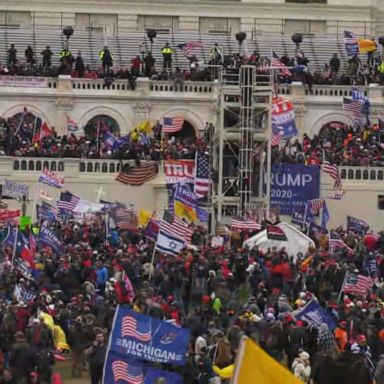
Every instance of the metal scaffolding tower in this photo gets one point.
(241, 147)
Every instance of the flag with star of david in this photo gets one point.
(169, 244)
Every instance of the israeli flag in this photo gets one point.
(169, 244)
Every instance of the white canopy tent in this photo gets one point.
(297, 241)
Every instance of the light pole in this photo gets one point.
(142, 51)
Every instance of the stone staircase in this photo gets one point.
(124, 47)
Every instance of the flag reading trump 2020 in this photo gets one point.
(292, 185)
(146, 338)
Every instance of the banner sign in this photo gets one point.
(122, 369)
(179, 171)
(356, 225)
(145, 338)
(23, 81)
(315, 315)
(51, 179)
(15, 190)
(292, 185)
(283, 118)
(6, 214)
(49, 238)
(25, 221)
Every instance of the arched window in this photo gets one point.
(98, 126)
(26, 123)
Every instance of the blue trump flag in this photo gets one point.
(315, 315)
(122, 369)
(356, 225)
(146, 338)
(49, 238)
(325, 216)
(292, 185)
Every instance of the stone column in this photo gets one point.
(141, 112)
(63, 102)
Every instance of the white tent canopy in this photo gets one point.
(297, 241)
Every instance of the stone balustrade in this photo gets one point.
(88, 167)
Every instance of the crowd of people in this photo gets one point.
(219, 293)
(337, 143)
(359, 71)
(18, 138)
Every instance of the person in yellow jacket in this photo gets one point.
(380, 68)
(106, 59)
(167, 52)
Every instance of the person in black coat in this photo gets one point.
(22, 359)
(97, 353)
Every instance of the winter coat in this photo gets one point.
(300, 370)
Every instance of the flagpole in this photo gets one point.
(341, 290)
(14, 248)
(154, 251)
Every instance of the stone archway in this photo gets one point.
(192, 119)
(25, 124)
(124, 125)
(327, 119)
(16, 109)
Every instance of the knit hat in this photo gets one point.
(304, 355)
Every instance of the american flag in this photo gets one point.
(336, 243)
(353, 106)
(350, 37)
(187, 48)
(276, 140)
(132, 328)
(67, 201)
(125, 218)
(129, 373)
(175, 226)
(315, 205)
(277, 64)
(240, 223)
(357, 284)
(334, 172)
(337, 195)
(137, 175)
(202, 180)
(172, 124)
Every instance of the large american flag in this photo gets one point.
(67, 201)
(334, 172)
(202, 180)
(175, 226)
(357, 284)
(188, 47)
(137, 175)
(240, 223)
(315, 205)
(130, 374)
(132, 328)
(125, 218)
(172, 124)
(353, 106)
(277, 64)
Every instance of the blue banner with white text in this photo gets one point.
(146, 338)
(356, 225)
(292, 185)
(315, 315)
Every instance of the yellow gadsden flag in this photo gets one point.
(366, 46)
(144, 217)
(144, 127)
(253, 365)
